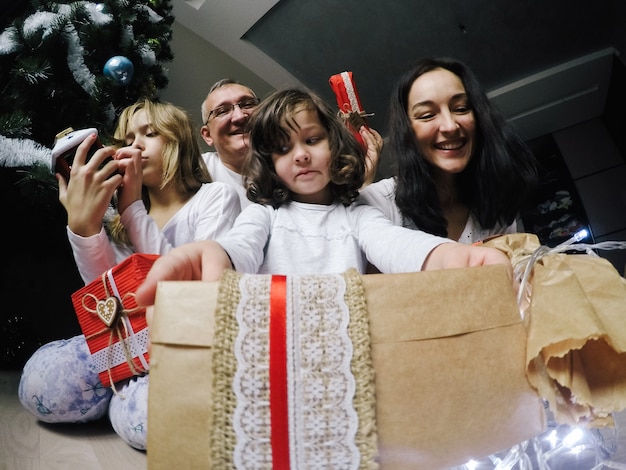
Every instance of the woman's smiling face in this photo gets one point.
(442, 120)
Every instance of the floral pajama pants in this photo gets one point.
(59, 384)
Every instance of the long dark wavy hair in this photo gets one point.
(499, 179)
(269, 129)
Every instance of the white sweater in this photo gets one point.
(382, 196)
(300, 238)
(210, 213)
(219, 172)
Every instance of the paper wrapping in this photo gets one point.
(576, 352)
(350, 109)
(119, 350)
(448, 352)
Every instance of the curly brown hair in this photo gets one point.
(269, 129)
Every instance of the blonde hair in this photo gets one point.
(183, 166)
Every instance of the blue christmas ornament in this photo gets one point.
(119, 69)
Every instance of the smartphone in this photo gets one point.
(65, 149)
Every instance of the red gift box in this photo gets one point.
(114, 325)
(350, 109)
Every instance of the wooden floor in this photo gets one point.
(27, 444)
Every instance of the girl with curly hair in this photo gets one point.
(303, 171)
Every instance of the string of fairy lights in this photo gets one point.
(560, 446)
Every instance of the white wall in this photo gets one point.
(196, 66)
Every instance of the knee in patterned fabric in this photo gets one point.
(59, 384)
(128, 412)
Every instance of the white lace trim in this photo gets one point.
(322, 420)
(354, 102)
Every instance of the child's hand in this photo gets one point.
(197, 261)
(458, 255)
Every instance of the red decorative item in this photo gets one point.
(113, 324)
(279, 395)
(350, 109)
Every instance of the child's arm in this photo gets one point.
(394, 249)
(198, 261)
(459, 255)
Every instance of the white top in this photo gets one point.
(382, 196)
(210, 213)
(299, 238)
(220, 172)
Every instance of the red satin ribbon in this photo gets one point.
(279, 403)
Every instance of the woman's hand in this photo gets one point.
(374, 143)
(87, 194)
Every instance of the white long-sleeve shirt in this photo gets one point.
(220, 172)
(300, 238)
(210, 213)
(382, 196)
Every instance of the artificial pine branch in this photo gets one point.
(32, 70)
(51, 60)
(15, 124)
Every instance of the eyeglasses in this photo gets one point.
(225, 110)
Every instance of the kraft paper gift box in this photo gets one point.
(576, 322)
(438, 360)
(114, 326)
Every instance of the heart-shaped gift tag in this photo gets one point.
(108, 310)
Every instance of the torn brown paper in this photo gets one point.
(576, 322)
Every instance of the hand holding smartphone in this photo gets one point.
(65, 149)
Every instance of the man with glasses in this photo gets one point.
(225, 111)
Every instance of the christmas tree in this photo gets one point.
(52, 56)
(62, 64)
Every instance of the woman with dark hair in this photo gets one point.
(460, 170)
